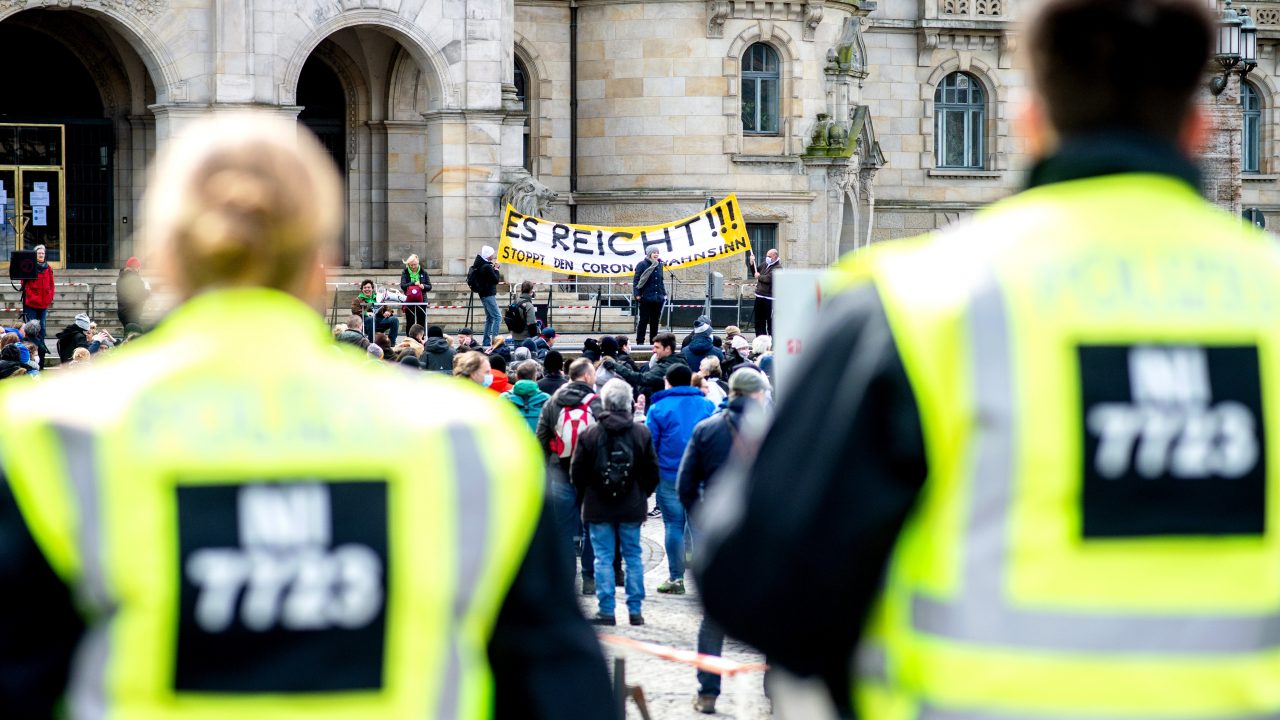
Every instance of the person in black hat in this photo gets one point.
(436, 353)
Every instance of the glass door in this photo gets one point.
(8, 220)
(32, 188)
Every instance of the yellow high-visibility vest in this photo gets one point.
(1097, 369)
(248, 537)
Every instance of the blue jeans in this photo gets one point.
(388, 325)
(492, 319)
(710, 642)
(29, 313)
(602, 536)
(674, 521)
(568, 514)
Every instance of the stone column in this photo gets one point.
(447, 190)
(1220, 158)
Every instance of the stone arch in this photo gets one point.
(994, 152)
(539, 96)
(790, 79)
(357, 90)
(430, 59)
(134, 30)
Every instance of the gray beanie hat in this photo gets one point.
(83, 321)
(745, 381)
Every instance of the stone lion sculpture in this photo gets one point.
(528, 196)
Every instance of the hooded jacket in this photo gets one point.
(529, 400)
(485, 278)
(501, 383)
(70, 338)
(348, 336)
(436, 355)
(672, 417)
(530, 312)
(568, 396)
(700, 347)
(584, 471)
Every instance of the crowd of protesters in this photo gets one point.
(617, 432)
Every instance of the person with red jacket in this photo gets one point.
(37, 295)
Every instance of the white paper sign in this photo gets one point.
(797, 296)
(40, 187)
(39, 216)
(39, 199)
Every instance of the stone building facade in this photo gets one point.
(836, 122)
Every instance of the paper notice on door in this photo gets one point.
(40, 187)
(39, 216)
(39, 199)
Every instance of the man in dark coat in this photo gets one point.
(553, 373)
(764, 291)
(649, 380)
(651, 293)
(436, 353)
(707, 451)
(131, 293)
(615, 470)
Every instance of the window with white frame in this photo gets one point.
(761, 78)
(1251, 133)
(960, 109)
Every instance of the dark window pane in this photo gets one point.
(749, 105)
(764, 237)
(953, 138)
(769, 106)
(973, 145)
(8, 146)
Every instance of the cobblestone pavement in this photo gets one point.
(672, 620)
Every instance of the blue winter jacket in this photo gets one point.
(672, 417)
(699, 348)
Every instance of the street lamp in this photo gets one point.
(1237, 46)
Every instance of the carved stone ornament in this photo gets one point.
(138, 7)
(528, 196)
(717, 13)
(850, 52)
(812, 18)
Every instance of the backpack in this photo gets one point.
(614, 465)
(471, 278)
(574, 419)
(514, 317)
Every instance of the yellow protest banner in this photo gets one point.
(717, 232)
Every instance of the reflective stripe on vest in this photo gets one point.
(982, 613)
(999, 601)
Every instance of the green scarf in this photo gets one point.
(413, 274)
(371, 299)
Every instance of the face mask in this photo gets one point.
(488, 379)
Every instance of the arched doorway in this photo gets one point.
(324, 112)
(72, 116)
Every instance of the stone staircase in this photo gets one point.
(93, 292)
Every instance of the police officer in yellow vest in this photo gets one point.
(185, 533)
(1046, 487)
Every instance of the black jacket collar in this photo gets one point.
(1114, 153)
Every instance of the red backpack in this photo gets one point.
(574, 419)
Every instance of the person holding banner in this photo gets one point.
(651, 293)
(764, 290)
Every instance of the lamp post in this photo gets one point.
(1235, 56)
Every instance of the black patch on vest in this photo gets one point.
(283, 587)
(1174, 442)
